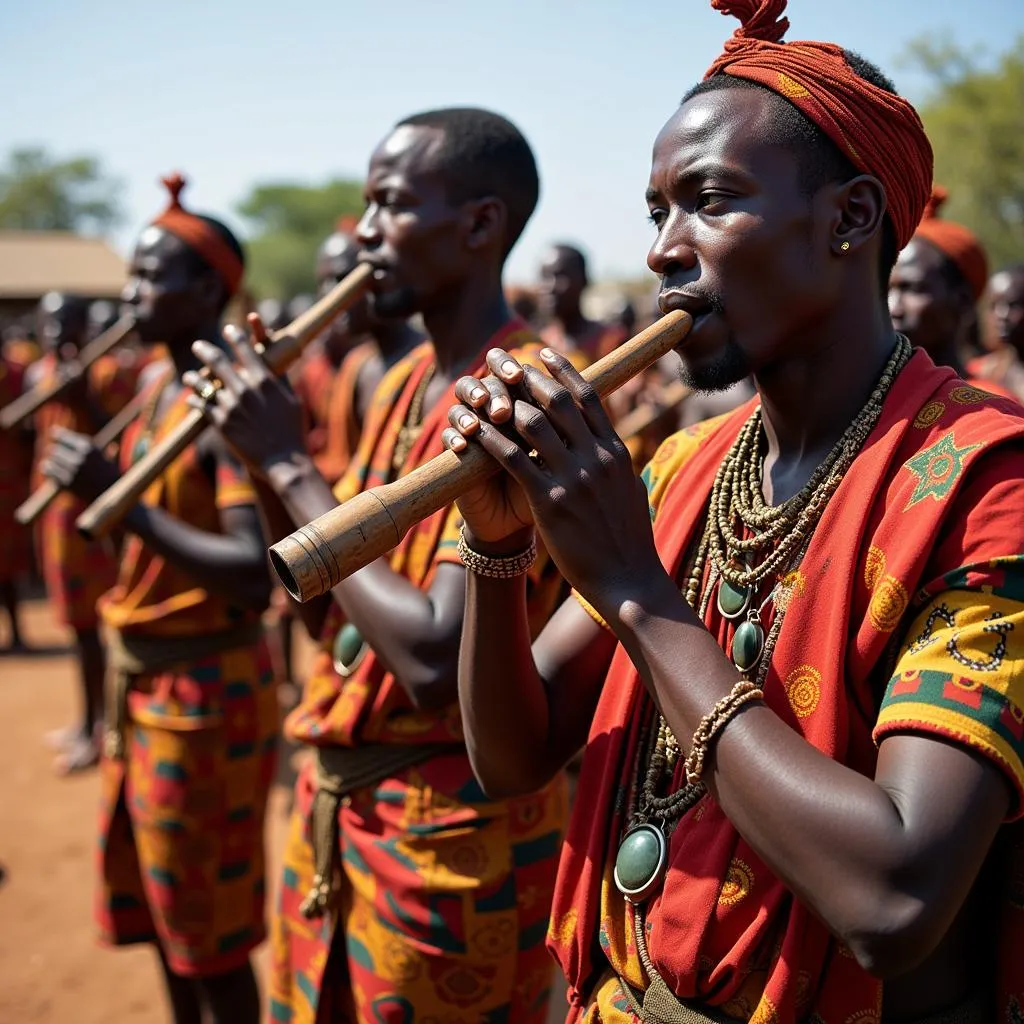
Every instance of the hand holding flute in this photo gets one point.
(315, 558)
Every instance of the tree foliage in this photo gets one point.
(974, 115)
(287, 223)
(39, 193)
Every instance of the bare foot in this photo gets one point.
(80, 755)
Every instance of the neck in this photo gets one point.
(180, 348)
(459, 329)
(574, 324)
(394, 339)
(809, 400)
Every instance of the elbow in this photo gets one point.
(894, 934)
(431, 682)
(510, 779)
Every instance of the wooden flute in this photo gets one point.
(42, 497)
(25, 405)
(284, 349)
(322, 553)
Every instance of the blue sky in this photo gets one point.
(234, 92)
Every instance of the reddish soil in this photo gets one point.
(51, 969)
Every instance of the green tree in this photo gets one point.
(39, 193)
(288, 222)
(974, 115)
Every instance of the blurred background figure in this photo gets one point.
(1004, 365)
(76, 571)
(562, 281)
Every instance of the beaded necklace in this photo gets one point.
(745, 543)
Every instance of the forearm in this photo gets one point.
(404, 626)
(502, 697)
(812, 820)
(223, 564)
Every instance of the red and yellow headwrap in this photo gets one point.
(955, 242)
(199, 235)
(878, 131)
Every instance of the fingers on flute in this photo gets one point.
(584, 394)
(243, 348)
(489, 396)
(559, 407)
(257, 328)
(217, 362)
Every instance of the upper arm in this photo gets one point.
(572, 655)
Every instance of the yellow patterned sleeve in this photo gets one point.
(960, 676)
(673, 453)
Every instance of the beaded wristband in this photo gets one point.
(496, 568)
(714, 722)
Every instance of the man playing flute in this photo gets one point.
(407, 893)
(192, 712)
(803, 684)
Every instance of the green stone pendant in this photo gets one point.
(349, 650)
(641, 862)
(733, 601)
(747, 645)
(140, 449)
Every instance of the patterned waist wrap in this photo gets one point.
(131, 654)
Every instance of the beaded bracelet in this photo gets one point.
(496, 568)
(714, 722)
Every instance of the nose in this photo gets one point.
(367, 230)
(896, 304)
(130, 292)
(672, 251)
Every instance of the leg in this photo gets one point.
(9, 594)
(82, 750)
(182, 994)
(231, 998)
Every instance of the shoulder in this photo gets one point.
(673, 455)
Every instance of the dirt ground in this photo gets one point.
(51, 969)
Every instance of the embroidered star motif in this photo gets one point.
(937, 469)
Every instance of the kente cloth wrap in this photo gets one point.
(443, 895)
(878, 131)
(314, 385)
(181, 857)
(199, 235)
(958, 244)
(152, 594)
(906, 613)
(342, 428)
(181, 840)
(76, 571)
(15, 471)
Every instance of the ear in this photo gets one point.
(210, 293)
(486, 220)
(858, 213)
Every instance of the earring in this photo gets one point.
(845, 247)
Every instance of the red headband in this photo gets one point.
(199, 235)
(955, 242)
(878, 131)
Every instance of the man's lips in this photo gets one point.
(694, 305)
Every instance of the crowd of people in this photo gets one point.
(724, 717)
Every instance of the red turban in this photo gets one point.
(199, 235)
(955, 242)
(878, 131)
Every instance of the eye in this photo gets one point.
(657, 217)
(710, 198)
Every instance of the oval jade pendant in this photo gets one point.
(349, 650)
(733, 601)
(747, 645)
(641, 862)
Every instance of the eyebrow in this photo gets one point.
(700, 169)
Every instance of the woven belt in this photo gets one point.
(339, 772)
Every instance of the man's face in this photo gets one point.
(1006, 307)
(739, 245)
(923, 303)
(561, 284)
(410, 232)
(164, 293)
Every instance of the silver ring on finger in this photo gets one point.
(206, 389)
